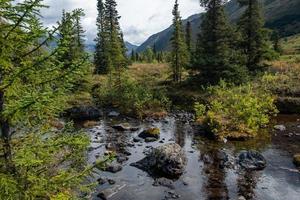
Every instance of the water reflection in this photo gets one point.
(247, 183)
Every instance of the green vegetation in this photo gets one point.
(236, 111)
(132, 97)
(38, 161)
(179, 54)
(217, 55)
(110, 54)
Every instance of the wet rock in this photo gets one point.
(151, 132)
(108, 193)
(297, 160)
(168, 160)
(280, 127)
(150, 139)
(252, 160)
(122, 158)
(137, 139)
(82, 113)
(124, 127)
(113, 168)
(164, 182)
(241, 198)
(111, 182)
(102, 181)
(113, 114)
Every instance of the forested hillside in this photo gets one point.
(281, 15)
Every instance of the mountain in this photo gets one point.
(130, 47)
(282, 15)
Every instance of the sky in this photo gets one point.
(139, 18)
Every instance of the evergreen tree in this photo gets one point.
(71, 43)
(154, 52)
(133, 58)
(215, 56)
(254, 41)
(34, 86)
(101, 58)
(116, 47)
(188, 36)
(180, 56)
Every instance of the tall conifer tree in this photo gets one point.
(180, 56)
(101, 59)
(188, 36)
(214, 56)
(254, 36)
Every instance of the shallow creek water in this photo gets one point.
(280, 180)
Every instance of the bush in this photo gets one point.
(236, 111)
(131, 97)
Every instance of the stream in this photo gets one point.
(203, 177)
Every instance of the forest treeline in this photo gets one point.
(41, 158)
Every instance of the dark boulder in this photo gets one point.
(82, 113)
(252, 160)
(168, 160)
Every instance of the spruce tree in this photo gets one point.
(180, 56)
(34, 86)
(116, 47)
(101, 58)
(188, 36)
(215, 55)
(132, 56)
(254, 41)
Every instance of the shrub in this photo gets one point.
(236, 111)
(131, 97)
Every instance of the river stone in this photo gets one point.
(168, 160)
(137, 139)
(151, 132)
(124, 127)
(114, 168)
(252, 160)
(84, 113)
(297, 160)
(280, 127)
(110, 192)
(150, 139)
(113, 114)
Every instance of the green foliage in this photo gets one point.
(236, 111)
(48, 164)
(110, 54)
(131, 97)
(179, 54)
(255, 40)
(217, 55)
(38, 162)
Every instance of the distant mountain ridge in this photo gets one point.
(282, 15)
(130, 47)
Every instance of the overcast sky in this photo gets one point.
(139, 18)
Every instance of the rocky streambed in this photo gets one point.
(180, 163)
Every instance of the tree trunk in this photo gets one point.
(6, 137)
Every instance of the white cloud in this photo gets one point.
(139, 18)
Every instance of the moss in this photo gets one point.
(297, 160)
(153, 131)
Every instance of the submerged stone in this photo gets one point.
(280, 127)
(252, 160)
